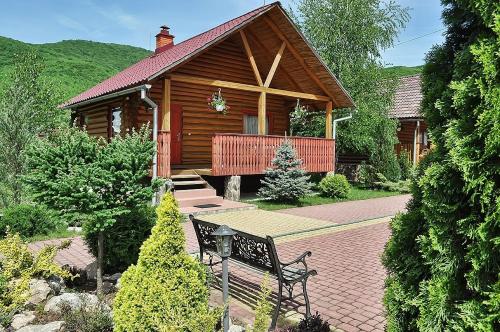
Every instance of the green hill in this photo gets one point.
(399, 71)
(74, 65)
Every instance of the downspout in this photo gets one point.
(417, 127)
(153, 105)
(334, 134)
(335, 124)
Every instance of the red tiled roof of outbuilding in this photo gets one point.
(143, 70)
(407, 98)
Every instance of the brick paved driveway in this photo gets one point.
(348, 289)
(349, 286)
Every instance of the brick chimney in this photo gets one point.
(164, 39)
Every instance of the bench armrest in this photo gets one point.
(300, 259)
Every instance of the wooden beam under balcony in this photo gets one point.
(246, 87)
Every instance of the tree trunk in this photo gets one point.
(100, 257)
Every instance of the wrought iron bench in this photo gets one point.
(260, 254)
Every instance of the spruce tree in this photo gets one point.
(443, 258)
(286, 181)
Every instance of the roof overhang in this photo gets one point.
(108, 96)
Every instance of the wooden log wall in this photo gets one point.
(228, 62)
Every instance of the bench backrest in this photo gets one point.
(255, 251)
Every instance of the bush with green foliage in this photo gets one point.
(167, 289)
(86, 317)
(405, 165)
(313, 323)
(264, 307)
(124, 239)
(335, 186)
(443, 257)
(29, 220)
(17, 267)
(367, 175)
(286, 181)
(383, 184)
(90, 181)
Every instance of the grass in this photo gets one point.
(58, 234)
(356, 194)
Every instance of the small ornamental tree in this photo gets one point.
(167, 289)
(91, 182)
(286, 181)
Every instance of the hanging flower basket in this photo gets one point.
(217, 103)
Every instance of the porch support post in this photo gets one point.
(262, 114)
(415, 143)
(165, 121)
(329, 120)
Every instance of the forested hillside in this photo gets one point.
(74, 65)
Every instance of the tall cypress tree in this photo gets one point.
(444, 255)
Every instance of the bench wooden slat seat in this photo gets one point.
(259, 253)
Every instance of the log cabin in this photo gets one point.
(261, 64)
(412, 128)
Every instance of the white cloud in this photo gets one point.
(116, 14)
(70, 23)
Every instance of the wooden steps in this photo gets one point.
(191, 190)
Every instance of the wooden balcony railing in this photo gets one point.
(163, 146)
(237, 154)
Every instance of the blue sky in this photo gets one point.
(136, 22)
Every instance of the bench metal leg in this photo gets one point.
(278, 307)
(306, 298)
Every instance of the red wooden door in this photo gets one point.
(176, 134)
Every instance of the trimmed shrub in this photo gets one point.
(124, 239)
(29, 220)
(335, 186)
(286, 181)
(167, 289)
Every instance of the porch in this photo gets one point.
(243, 154)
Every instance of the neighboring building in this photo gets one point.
(260, 63)
(412, 129)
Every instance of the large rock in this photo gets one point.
(236, 328)
(91, 271)
(22, 319)
(50, 327)
(113, 278)
(232, 186)
(75, 301)
(39, 291)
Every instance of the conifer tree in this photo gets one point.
(167, 289)
(443, 258)
(286, 181)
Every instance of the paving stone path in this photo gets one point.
(348, 289)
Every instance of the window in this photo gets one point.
(251, 125)
(116, 121)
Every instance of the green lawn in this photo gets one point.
(59, 234)
(355, 195)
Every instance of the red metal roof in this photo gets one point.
(142, 71)
(407, 98)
